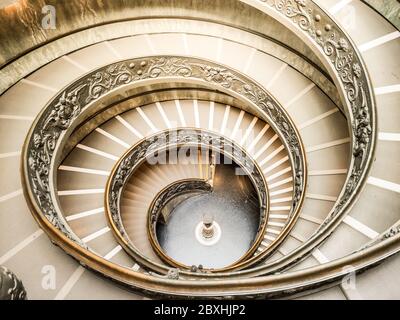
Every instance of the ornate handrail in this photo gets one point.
(63, 114)
(161, 200)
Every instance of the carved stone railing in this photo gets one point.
(167, 140)
(66, 111)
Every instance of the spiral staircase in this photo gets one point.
(300, 96)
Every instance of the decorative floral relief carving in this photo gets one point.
(172, 274)
(218, 75)
(302, 13)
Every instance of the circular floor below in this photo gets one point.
(236, 216)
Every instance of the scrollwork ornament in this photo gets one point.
(172, 274)
(348, 67)
(296, 10)
(102, 82)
